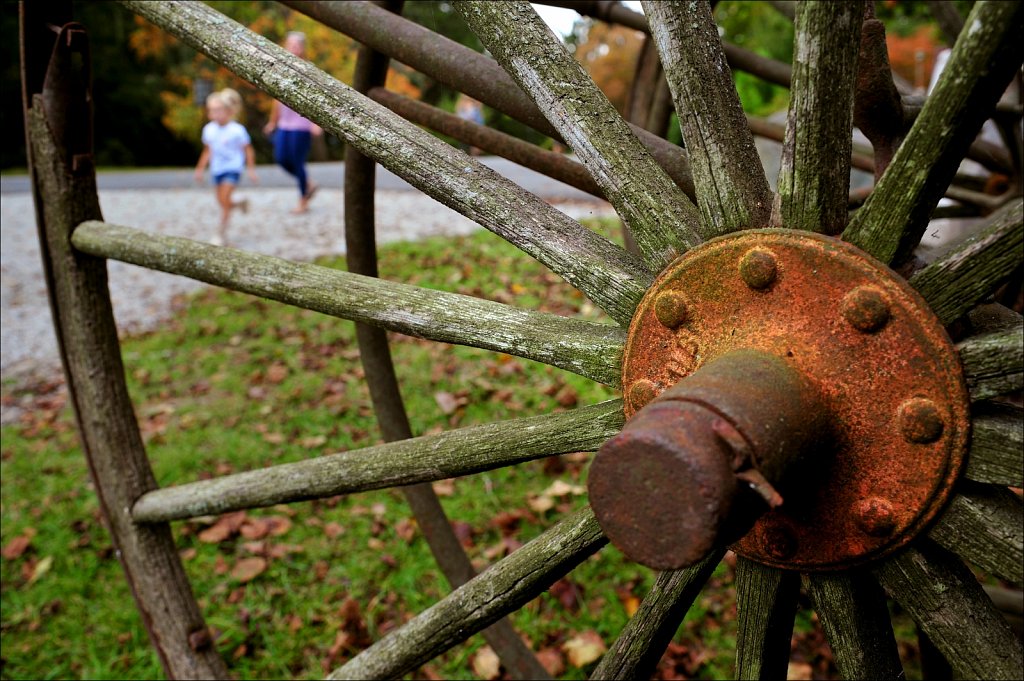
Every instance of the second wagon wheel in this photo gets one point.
(787, 392)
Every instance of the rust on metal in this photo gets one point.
(866, 308)
(883, 370)
(758, 268)
(684, 474)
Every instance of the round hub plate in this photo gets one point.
(887, 372)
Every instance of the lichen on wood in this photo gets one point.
(766, 600)
(814, 179)
(997, 445)
(949, 605)
(993, 363)
(732, 190)
(985, 525)
(642, 642)
(426, 458)
(969, 272)
(854, 615)
(587, 348)
(661, 218)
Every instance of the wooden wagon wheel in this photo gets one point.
(787, 391)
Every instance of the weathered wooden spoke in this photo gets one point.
(611, 277)
(815, 177)
(404, 462)
(968, 273)
(731, 187)
(947, 602)
(894, 218)
(640, 645)
(855, 618)
(501, 589)
(985, 525)
(765, 608)
(435, 315)
(994, 363)
(997, 445)
(658, 214)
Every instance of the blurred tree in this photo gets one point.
(609, 54)
(126, 94)
(757, 26)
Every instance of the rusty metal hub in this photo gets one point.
(787, 392)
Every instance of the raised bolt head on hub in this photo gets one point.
(875, 516)
(920, 421)
(866, 309)
(758, 268)
(670, 309)
(642, 392)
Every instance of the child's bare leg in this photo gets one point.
(224, 191)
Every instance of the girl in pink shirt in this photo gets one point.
(293, 134)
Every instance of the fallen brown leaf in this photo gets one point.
(248, 569)
(584, 648)
(444, 488)
(486, 664)
(552, 660)
(17, 546)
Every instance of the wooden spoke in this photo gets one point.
(814, 181)
(497, 591)
(765, 607)
(643, 640)
(732, 191)
(403, 462)
(970, 272)
(661, 218)
(613, 278)
(997, 445)
(985, 525)
(893, 219)
(994, 363)
(855, 618)
(590, 349)
(947, 602)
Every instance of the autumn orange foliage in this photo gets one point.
(913, 56)
(609, 54)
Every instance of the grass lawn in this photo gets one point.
(233, 383)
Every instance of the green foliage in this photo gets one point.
(442, 18)
(758, 27)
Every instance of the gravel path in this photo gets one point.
(143, 298)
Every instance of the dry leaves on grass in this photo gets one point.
(546, 500)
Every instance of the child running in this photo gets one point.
(227, 149)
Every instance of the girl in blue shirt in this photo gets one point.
(228, 150)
